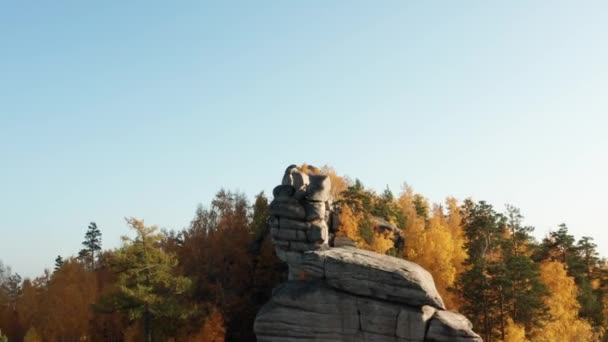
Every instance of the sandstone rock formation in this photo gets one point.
(337, 292)
(300, 216)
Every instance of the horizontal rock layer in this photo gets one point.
(312, 311)
(370, 274)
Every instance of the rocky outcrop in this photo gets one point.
(300, 216)
(373, 275)
(337, 292)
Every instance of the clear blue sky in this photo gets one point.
(142, 108)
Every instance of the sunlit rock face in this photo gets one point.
(337, 292)
(300, 216)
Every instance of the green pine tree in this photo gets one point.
(481, 285)
(92, 244)
(259, 216)
(525, 291)
(148, 289)
(58, 263)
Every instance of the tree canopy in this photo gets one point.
(207, 281)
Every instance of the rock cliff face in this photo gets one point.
(337, 292)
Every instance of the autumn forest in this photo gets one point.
(207, 281)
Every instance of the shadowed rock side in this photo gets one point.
(337, 292)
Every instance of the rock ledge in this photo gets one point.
(344, 293)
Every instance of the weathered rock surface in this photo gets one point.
(319, 188)
(337, 292)
(374, 275)
(312, 311)
(299, 215)
(451, 326)
(288, 208)
(344, 242)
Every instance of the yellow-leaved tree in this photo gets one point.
(381, 243)
(514, 332)
(349, 223)
(439, 256)
(454, 221)
(564, 324)
(414, 229)
(430, 243)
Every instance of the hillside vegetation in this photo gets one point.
(207, 281)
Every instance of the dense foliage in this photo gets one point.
(207, 281)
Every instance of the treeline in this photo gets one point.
(204, 283)
(207, 281)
